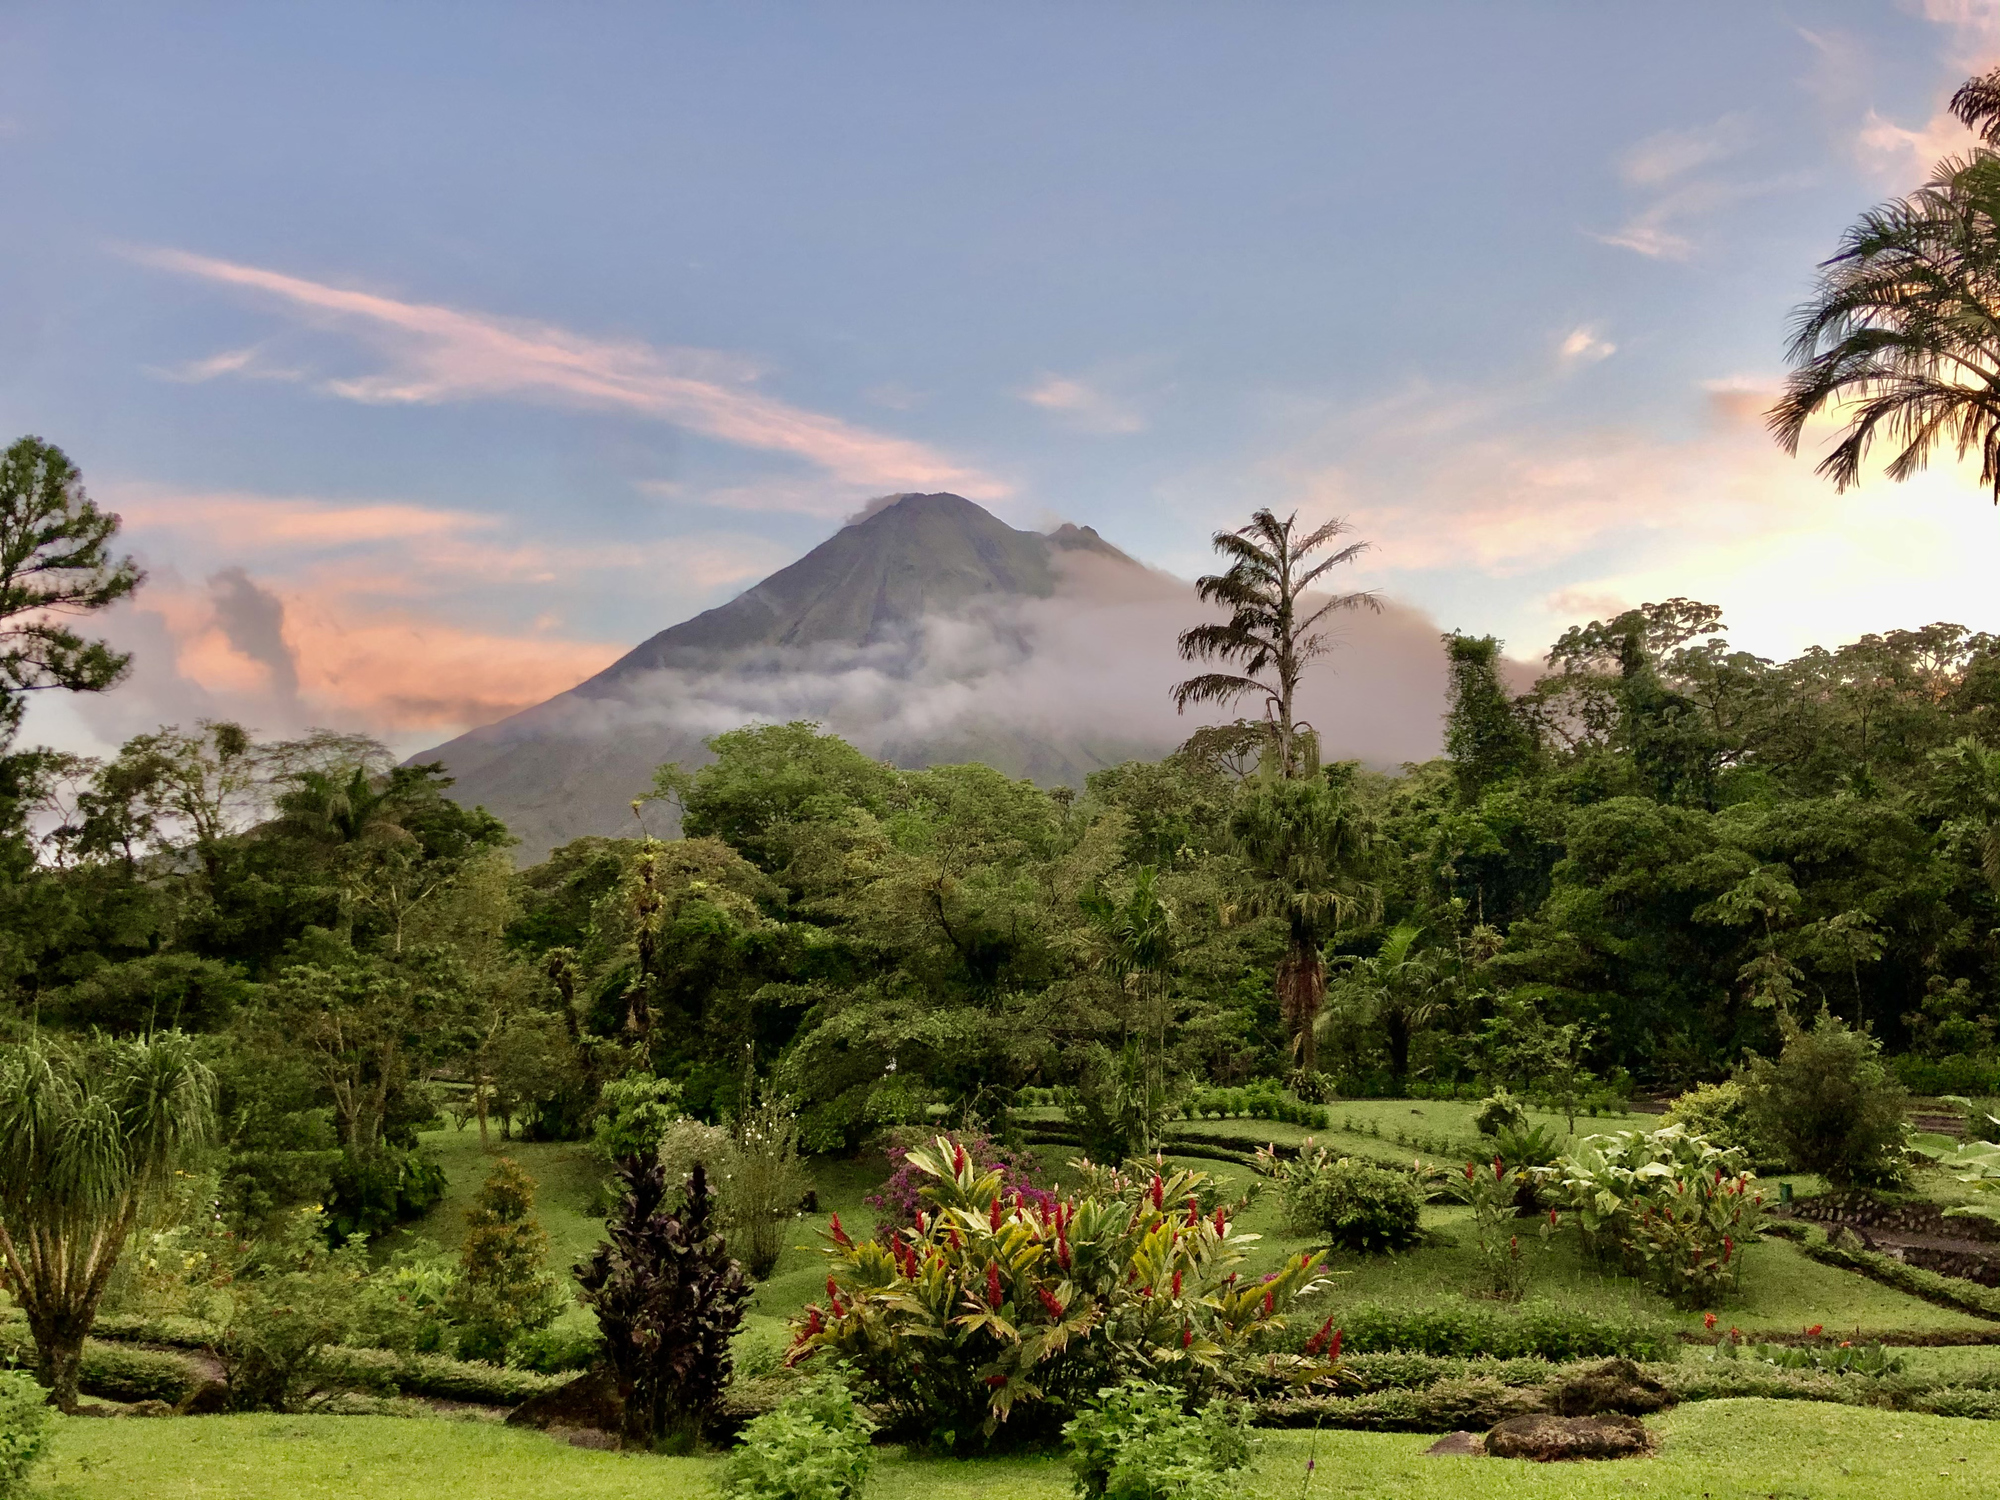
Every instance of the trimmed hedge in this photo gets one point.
(115, 1372)
(1466, 1330)
(1940, 1290)
(435, 1375)
(1447, 1406)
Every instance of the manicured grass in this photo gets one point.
(566, 1178)
(1712, 1448)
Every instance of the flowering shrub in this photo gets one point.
(1355, 1204)
(1822, 1355)
(989, 1302)
(1493, 1191)
(1675, 1209)
(1138, 1441)
(896, 1202)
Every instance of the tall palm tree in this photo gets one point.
(1405, 991)
(1273, 629)
(1308, 849)
(85, 1133)
(1902, 334)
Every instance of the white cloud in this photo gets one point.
(431, 353)
(1084, 406)
(1582, 346)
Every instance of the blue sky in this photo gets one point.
(437, 353)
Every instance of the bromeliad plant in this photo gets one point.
(991, 1304)
(1673, 1208)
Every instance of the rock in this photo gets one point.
(1458, 1445)
(1617, 1385)
(149, 1409)
(585, 1437)
(205, 1400)
(1547, 1439)
(590, 1401)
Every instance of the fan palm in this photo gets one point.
(1307, 848)
(85, 1133)
(1405, 990)
(1273, 629)
(1138, 938)
(1902, 333)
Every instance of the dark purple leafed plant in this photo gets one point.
(897, 1200)
(668, 1299)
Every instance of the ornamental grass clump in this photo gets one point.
(1672, 1208)
(991, 1307)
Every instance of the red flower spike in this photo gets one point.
(1339, 1338)
(1470, 1171)
(1159, 1192)
(839, 1308)
(1194, 1213)
(813, 1324)
(1049, 1304)
(956, 1242)
(1270, 1303)
(923, 1223)
(958, 1160)
(1499, 1169)
(1728, 1249)
(1062, 1253)
(839, 1235)
(1221, 1224)
(832, 1290)
(1177, 1284)
(1187, 1336)
(1318, 1341)
(1553, 1221)
(993, 1297)
(993, 1216)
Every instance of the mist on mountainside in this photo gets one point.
(928, 632)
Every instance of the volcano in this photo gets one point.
(927, 632)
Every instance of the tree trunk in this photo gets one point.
(1301, 988)
(59, 1355)
(1398, 1027)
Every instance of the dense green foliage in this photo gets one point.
(1349, 1203)
(814, 1446)
(1138, 1441)
(25, 1420)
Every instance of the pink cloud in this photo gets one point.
(435, 353)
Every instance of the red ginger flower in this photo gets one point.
(1470, 1171)
(813, 1324)
(1499, 1169)
(993, 1216)
(1221, 1224)
(832, 1288)
(1194, 1213)
(1050, 1304)
(1270, 1301)
(1159, 1192)
(956, 1242)
(993, 1297)
(1318, 1341)
(1728, 1249)
(1339, 1338)
(1062, 1251)
(1187, 1335)
(1177, 1283)
(839, 1234)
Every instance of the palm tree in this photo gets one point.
(1403, 986)
(1272, 631)
(1307, 848)
(1902, 333)
(1138, 936)
(85, 1134)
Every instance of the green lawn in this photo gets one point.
(1715, 1448)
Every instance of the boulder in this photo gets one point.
(204, 1400)
(1617, 1385)
(589, 1402)
(1457, 1445)
(1549, 1439)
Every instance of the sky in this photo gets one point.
(436, 354)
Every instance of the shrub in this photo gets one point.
(668, 1300)
(1830, 1106)
(1720, 1114)
(413, 1296)
(504, 1287)
(1675, 1209)
(813, 1447)
(293, 1300)
(1355, 1204)
(1499, 1111)
(1492, 1191)
(370, 1192)
(553, 1350)
(1138, 1442)
(25, 1420)
(1523, 1147)
(988, 1305)
(1313, 1087)
(633, 1114)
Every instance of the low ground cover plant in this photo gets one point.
(1355, 1204)
(1667, 1205)
(1138, 1441)
(1820, 1354)
(814, 1446)
(990, 1307)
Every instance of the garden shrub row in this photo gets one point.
(1535, 1330)
(1930, 1286)
(1254, 1101)
(115, 1372)
(437, 1376)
